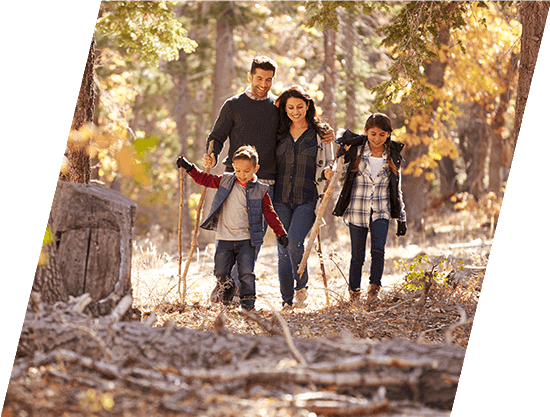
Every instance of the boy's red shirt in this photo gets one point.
(213, 181)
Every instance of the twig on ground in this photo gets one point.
(288, 338)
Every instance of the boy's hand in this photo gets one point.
(283, 240)
(329, 173)
(182, 162)
(208, 161)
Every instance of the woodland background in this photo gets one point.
(451, 92)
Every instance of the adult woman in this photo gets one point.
(302, 158)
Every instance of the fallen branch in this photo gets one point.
(288, 339)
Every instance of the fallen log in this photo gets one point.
(171, 364)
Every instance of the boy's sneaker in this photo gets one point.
(287, 308)
(223, 292)
(300, 298)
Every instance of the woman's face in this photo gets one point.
(296, 109)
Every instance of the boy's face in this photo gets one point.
(244, 170)
(260, 82)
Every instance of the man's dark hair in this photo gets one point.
(263, 62)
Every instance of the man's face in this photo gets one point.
(260, 82)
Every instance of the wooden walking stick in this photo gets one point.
(183, 277)
(322, 264)
(180, 220)
(320, 211)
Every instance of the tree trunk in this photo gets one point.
(474, 143)
(222, 82)
(349, 43)
(498, 161)
(181, 110)
(92, 228)
(415, 189)
(328, 104)
(533, 19)
(77, 165)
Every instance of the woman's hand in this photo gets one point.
(328, 136)
(328, 173)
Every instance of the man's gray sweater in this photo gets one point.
(248, 122)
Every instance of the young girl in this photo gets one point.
(370, 196)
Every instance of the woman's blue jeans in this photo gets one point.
(358, 236)
(297, 220)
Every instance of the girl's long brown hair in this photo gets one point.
(381, 121)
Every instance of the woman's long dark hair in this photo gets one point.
(311, 114)
(381, 121)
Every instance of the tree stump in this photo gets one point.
(92, 227)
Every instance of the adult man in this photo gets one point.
(249, 118)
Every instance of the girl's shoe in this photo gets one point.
(354, 295)
(372, 293)
(300, 298)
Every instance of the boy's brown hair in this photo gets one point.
(247, 153)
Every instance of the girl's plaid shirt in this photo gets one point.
(369, 194)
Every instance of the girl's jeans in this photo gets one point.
(297, 220)
(358, 236)
(241, 252)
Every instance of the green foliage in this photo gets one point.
(412, 39)
(422, 270)
(145, 28)
(323, 14)
(47, 241)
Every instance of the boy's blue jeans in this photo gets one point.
(297, 220)
(241, 252)
(358, 236)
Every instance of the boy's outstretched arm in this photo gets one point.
(273, 220)
(200, 177)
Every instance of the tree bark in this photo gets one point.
(92, 249)
(328, 104)
(78, 167)
(222, 83)
(533, 16)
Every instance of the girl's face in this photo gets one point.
(296, 109)
(376, 137)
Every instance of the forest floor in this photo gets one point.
(453, 236)
(329, 328)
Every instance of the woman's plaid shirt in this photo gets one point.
(369, 194)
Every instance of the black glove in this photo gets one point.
(341, 151)
(283, 240)
(401, 228)
(184, 163)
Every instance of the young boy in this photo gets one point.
(236, 216)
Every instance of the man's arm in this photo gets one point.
(219, 134)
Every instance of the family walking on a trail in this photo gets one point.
(280, 161)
